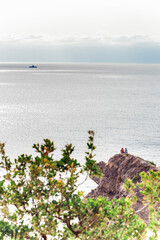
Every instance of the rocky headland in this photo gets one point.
(115, 171)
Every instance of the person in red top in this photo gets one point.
(122, 150)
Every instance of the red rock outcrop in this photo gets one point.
(116, 170)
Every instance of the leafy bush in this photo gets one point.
(43, 192)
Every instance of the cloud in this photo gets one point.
(97, 39)
(97, 48)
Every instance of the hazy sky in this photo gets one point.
(80, 30)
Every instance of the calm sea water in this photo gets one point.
(120, 102)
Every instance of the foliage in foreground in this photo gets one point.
(39, 197)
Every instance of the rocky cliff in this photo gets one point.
(115, 171)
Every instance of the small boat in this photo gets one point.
(32, 66)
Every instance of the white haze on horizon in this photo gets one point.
(99, 38)
(72, 30)
(80, 48)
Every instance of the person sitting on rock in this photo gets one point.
(125, 151)
(122, 150)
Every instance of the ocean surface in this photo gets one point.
(120, 102)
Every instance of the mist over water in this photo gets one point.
(120, 102)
